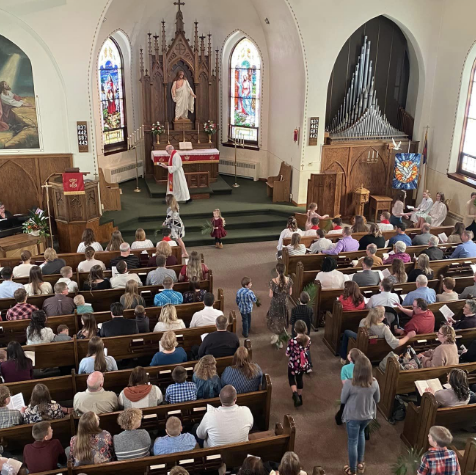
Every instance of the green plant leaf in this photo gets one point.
(408, 462)
(311, 290)
(207, 228)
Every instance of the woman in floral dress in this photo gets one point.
(280, 288)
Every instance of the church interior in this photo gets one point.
(245, 142)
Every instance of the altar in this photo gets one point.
(197, 160)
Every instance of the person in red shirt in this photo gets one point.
(422, 321)
(352, 299)
(45, 453)
(314, 223)
(385, 217)
(336, 224)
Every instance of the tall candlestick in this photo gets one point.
(168, 134)
(128, 142)
(198, 141)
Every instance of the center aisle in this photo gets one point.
(319, 440)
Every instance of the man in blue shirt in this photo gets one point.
(467, 248)
(400, 236)
(8, 287)
(174, 441)
(168, 295)
(422, 292)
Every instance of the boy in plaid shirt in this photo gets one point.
(182, 390)
(439, 460)
(245, 298)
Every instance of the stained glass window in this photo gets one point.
(245, 100)
(467, 162)
(111, 89)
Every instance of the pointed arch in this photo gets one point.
(245, 91)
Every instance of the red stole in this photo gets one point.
(171, 175)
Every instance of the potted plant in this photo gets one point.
(210, 128)
(408, 463)
(157, 129)
(36, 224)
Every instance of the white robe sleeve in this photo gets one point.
(176, 164)
(9, 100)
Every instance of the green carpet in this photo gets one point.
(249, 213)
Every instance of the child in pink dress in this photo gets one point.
(218, 232)
(312, 213)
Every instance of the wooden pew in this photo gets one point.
(102, 299)
(307, 240)
(63, 388)
(269, 446)
(395, 381)
(74, 258)
(339, 321)
(259, 402)
(467, 458)
(419, 419)
(344, 259)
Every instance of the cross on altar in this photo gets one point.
(179, 3)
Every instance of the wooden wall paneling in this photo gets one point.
(204, 94)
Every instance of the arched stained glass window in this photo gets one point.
(467, 160)
(111, 89)
(245, 93)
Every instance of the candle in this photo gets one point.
(128, 142)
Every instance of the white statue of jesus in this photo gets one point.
(183, 96)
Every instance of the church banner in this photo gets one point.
(406, 173)
(73, 184)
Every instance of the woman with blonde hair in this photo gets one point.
(131, 298)
(164, 249)
(194, 268)
(89, 327)
(422, 267)
(36, 285)
(175, 223)
(445, 354)
(168, 319)
(206, 378)
(374, 237)
(115, 242)
(171, 353)
(397, 272)
(88, 239)
(141, 242)
(91, 445)
(296, 248)
(96, 359)
(53, 263)
(139, 392)
(133, 443)
(360, 395)
(243, 375)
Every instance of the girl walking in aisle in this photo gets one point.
(280, 288)
(174, 222)
(218, 232)
(360, 396)
(297, 351)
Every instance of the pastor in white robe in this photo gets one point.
(184, 100)
(178, 185)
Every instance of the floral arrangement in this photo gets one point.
(37, 223)
(210, 127)
(157, 129)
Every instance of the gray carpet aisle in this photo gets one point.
(319, 440)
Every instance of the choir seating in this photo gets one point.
(419, 419)
(339, 321)
(396, 381)
(279, 187)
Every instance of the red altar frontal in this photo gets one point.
(194, 161)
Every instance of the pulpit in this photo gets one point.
(360, 198)
(75, 212)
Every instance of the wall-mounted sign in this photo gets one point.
(83, 141)
(313, 130)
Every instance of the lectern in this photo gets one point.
(74, 213)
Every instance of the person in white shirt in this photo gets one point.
(322, 243)
(141, 242)
(208, 315)
(227, 424)
(385, 224)
(291, 228)
(90, 262)
(385, 298)
(168, 320)
(329, 276)
(89, 240)
(296, 248)
(120, 280)
(67, 273)
(23, 270)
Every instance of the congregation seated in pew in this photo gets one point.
(352, 299)
(168, 319)
(157, 276)
(374, 237)
(53, 263)
(329, 276)
(422, 267)
(60, 303)
(139, 393)
(448, 293)
(96, 360)
(194, 268)
(88, 327)
(182, 390)
(220, 343)
(244, 375)
(399, 249)
(142, 320)
(455, 236)
(131, 297)
(470, 291)
(96, 279)
(66, 277)
(22, 309)
(95, 399)
(208, 315)
(445, 354)
(346, 244)
(141, 241)
(126, 255)
(400, 236)
(206, 378)
(163, 249)
(424, 237)
(467, 248)
(17, 367)
(397, 272)
(421, 292)
(36, 285)
(167, 294)
(23, 269)
(195, 294)
(386, 298)
(433, 252)
(115, 242)
(469, 317)
(287, 232)
(62, 333)
(171, 353)
(296, 248)
(90, 261)
(422, 320)
(41, 407)
(134, 442)
(37, 332)
(122, 277)
(321, 243)
(458, 394)
(88, 239)
(8, 287)
(174, 440)
(8, 417)
(118, 325)
(367, 276)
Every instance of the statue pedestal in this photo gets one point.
(183, 124)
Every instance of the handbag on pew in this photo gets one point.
(407, 360)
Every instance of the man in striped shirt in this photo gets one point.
(133, 443)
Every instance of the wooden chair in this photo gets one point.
(110, 194)
(279, 187)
